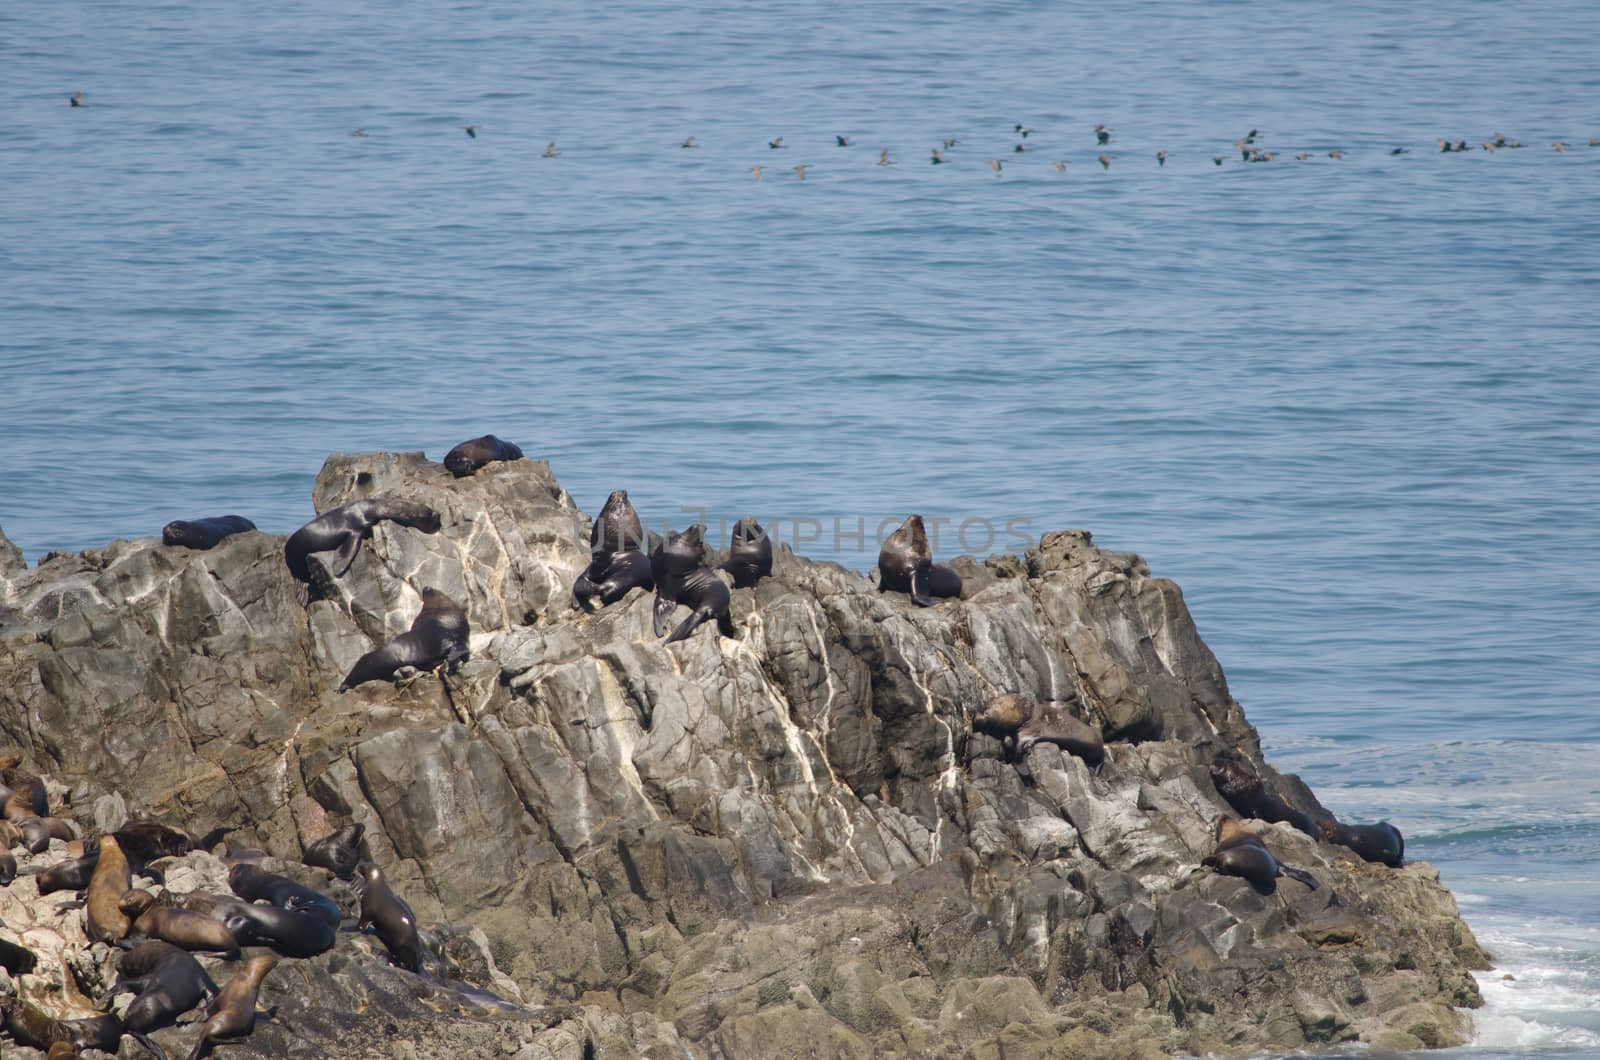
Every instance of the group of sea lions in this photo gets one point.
(158, 933)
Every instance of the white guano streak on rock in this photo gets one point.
(502, 568)
(280, 771)
(950, 777)
(780, 707)
(620, 724)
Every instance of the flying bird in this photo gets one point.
(938, 159)
(1105, 160)
(883, 158)
(550, 149)
(1059, 166)
(800, 170)
(757, 171)
(1022, 130)
(1216, 160)
(472, 131)
(995, 164)
(843, 141)
(1161, 158)
(76, 100)
(1102, 134)
(689, 143)
(775, 144)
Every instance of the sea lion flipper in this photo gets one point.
(149, 1043)
(347, 553)
(1300, 874)
(919, 588)
(687, 626)
(663, 614)
(725, 626)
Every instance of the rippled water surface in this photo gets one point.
(1351, 405)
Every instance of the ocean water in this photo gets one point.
(1351, 405)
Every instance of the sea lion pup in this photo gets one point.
(181, 927)
(389, 916)
(1381, 842)
(1249, 797)
(204, 533)
(1029, 721)
(617, 555)
(167, 981)
(252, 884)
(466, 458)
(682, 577)
(1240, 852)
(437, 635)
(103, 919)
(231, 1016)
(339, 853)
(749, 554)
(344, 528)
(37, 1029)
(905, 565)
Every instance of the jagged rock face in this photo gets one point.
(735, 846)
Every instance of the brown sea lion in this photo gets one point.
(8, 868)
(466, 458)
(437, 636)
(344, 528)
(32, 1027)
(905, 565)
(104, 920)
(682, 577)
(1029, 721)
(389, 916)
(1240, 852)
(617, 558)
(204, 533)
(27, 797)
(184, 928)
(339, 853)
(231, 1016)
(749, 554)
(36, 832)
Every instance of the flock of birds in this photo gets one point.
(1247, 146)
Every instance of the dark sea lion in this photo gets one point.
(1381, 842)
(345, 527)
(905, 565)
(617, 560)
(682, 577)
(38, 831)
(32, 1027)
(1029, 721)
(27, 796)
(204, 533)
(17, 958)
(437, 635)
(8, 868)
(749, 554)
(184, 928)
(1240, 852)
(167, 981)
(10, 835)
(251, 883)
(71, 875)
(1249, 797)
(104, 921)
(258, 924)
(339, 853)
(466, 458)
(143, 840)
(231, 1016)
(389, 916)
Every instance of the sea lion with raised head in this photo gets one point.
(344, 528)
(617, 560)
(389, 916)
(184, 928)
(339, 853)
(437, 636)
(167, 982)
(253, 884)
(1240, 852)
(905, 565)
(231, 1016)
(749, 554)
(466, 458)
(1028, 721)
(204, 533)
(104, 920)
(678, 565)
(1243, 790)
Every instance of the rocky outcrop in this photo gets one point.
(788, 841)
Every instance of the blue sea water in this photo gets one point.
(1351, 405)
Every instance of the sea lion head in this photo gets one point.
(1003, 715)
(748, 532)
(617, 528)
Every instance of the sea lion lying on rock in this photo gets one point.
(1028, 721)
(1240, 852)
(184, 928)
(344, 528)
(466, 458)
(251, 883)
(1249, 797)
(167, 981)
(1381, 842)
(204, 533)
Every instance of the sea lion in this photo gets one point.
(339, 853)
(1240, 852)
(437, 635)
(8, 868)
(678, 565)
(167, 981)
(37, 1029)
(184, 928)
(1029, 722)
(466, 458)
(345, 527)
(749, 554)
(10, 835)
(617, 555)
(254, 885)
(1381, 842)
(1249, 797)
(389, 916)
(37, 832)
(232, 1014)
(204, 533)
(143, 840)
(104, 921)
(71, 875)
(17, 958)
(25, 794)
(258, 924)
(906, 565)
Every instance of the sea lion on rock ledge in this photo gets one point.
(1240, 852)
(339, 853)
(1381, 842)
(388, 915)
(466, 458)
(204, 533)
(749, 554)
(1249, 797)
(682, 577)
(438, 635)
(905, 564)
(618, 561)
(344, 528)
(1029, 722)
